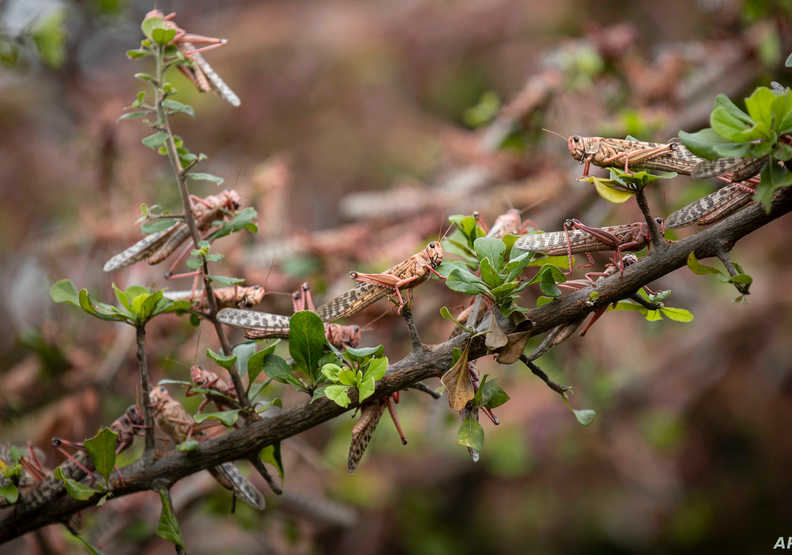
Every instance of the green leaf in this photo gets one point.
(773, 178)
(243, 352)
(97, 309)
(741, 279)
(782, 113)
(188, 445)
(703, 143)
(471, 434)
(206, 177)
(331, 371)
(155, 140)
(102, 448)
(735, 129)
(585, 416)
(490, 394)
(227, 281)
(788, 62)
(156, 226)
(346, 376)
(605, 189)
(176, 106)
(151, 23)
(272, 454)
(226, 361)
(338, 394)
(547, 277)
(489, 275)
(307, 341)
(362, 353)
(64, 291)
(492, 248)
(542, 300)
(376, 369)
(149, 306)
(227, 417)
(365, 389)
(677, 314)
(465, 282)
(698, 268)
(74, 488)
(144, 77)
(447, 267)
(137, 53)
(168, 526)
(653, 316)
(163, 36)
(241, 220)
(133, 115)
(279, 370)
(760, 108)
(9, 492)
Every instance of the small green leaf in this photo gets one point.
(64, 291)
(227, 281)
(272, 454)
(278, 369)
(151, 23)
(168, 526)
(788, 62)
(490, 394)
(489, 275)
(492, 248)
(338, 394)
(307, 341)
(189, 445)
(346, 376)
(9, 492)
(331, 371)
(543, 300)
(653, 316)
(144, 77)
(243, 352)
(465, 282)
(365, 389)
(471, 434)
(226, 361)
(206, 177)
(156, 226)
(163, 36)
(362, 353)
(227, 417)
(136, 53)
(605, 189)
(585, 416)
(176, 106)
(704, 143)
(677, 314)
(698, 268)
(133, 115)
(155, 140)
(74, 488)
(102, 448)
(377, 368)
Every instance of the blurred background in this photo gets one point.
(363, 126)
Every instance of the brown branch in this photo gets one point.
(248, 440)
(148, 419)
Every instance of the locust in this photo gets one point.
(363, 430)
(221, 393)
(263, 324)
(29, 473)
(80, 465)
(580, 238)
(199, 71)
(235, 296)
(508, 223)
(177, 423)
(714, 206)
(405, 275)
(158, 246)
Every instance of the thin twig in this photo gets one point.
(148, 419)
(420, 386)
(415, 338)
(654, 231)
(262, 470)
(560, 389)
(723, 256)
(189, 218)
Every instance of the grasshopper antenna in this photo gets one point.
(554, 133)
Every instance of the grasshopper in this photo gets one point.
(363, 430)
(177, 423)
(263, 324)
(80, 465)
(404, 275)
(605, 152)
(160, 245)
(508, 223)
(714, 206)
(236, 296)
(580, 238)
(199, 71)
(221, 393)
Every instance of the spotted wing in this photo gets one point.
(218, 84)
(352, 301)
(718, 204)
(229, 476)
(370, 414)
(253, 319)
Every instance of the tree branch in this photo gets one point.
(247, 441)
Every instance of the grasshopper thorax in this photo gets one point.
(435, 253)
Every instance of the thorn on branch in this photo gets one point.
(723, 255)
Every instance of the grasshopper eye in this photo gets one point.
(575, 138)
(356, 329)
(432, 245)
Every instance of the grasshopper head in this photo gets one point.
(582, 147)
(158, 397)
(435, 253)
(231, 199)
(198, 376)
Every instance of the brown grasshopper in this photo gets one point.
(363, 430)
(580, 238)
(80, 465)
(404, 275)
(160, 245)
(262, 324)
(239, 296)
(177, 423)
(605, 152)
(199, 71)
(508, 223)
(714, 206)
(221, 393)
